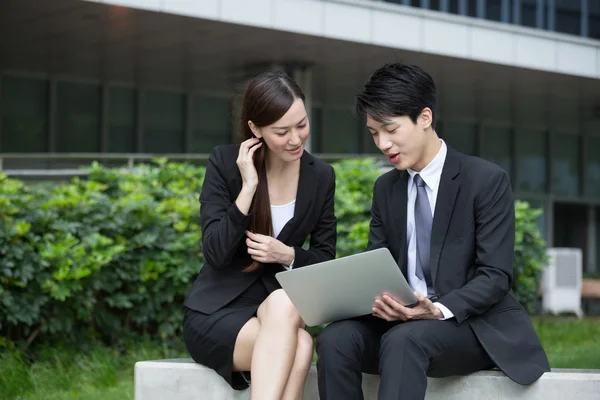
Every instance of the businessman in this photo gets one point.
(448, 219)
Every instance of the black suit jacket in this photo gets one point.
(472, 250)
(223, 226)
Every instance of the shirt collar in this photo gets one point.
(432, 172)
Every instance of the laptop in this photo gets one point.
(345, 287)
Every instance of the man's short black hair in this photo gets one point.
(396, 90)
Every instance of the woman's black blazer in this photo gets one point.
(223, 226)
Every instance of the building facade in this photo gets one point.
(518, 82)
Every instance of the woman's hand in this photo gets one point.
(245, 163)
(266, 249)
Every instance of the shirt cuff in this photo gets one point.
(447, 313)
(289, 267)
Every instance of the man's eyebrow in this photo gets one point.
(384, 123)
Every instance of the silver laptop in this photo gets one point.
(345, 287)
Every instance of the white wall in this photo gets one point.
(401, 27)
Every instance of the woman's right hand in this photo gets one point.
(245, 162)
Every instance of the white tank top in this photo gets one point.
(281, 215)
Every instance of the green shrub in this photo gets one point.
(353, 196)
(99, 258)
(530, 255)
(113, 255)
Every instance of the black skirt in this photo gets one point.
(210, 338)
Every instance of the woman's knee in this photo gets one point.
(305, 347)
(279, 308)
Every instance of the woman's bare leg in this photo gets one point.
(244, 345)
(268, 345)
(294, 390)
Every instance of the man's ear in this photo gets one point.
(255, 130)
(426, 118)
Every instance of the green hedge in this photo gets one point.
(114, 254)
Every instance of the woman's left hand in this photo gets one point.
(266, 249)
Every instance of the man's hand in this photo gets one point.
(388, 308)
(266, 249)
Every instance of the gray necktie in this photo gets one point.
(423, 222)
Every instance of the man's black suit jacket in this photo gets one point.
(223, 226)
(472, 250)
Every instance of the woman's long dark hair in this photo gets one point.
(268, 96)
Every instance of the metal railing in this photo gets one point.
(64, 165)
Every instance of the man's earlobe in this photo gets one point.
(426, 118)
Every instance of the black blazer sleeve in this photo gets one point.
(324, 236)
(494, 240)
(223, 224)
(376, 230)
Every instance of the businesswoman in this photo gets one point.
(259, 203)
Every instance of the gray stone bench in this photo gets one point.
(182, 379)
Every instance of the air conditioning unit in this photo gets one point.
(561, 282)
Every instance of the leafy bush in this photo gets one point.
(353, 196)
(99, 258)
(113, 255)
(530, 255)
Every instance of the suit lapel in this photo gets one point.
(446, 199)
(398, 207)
(304, 195)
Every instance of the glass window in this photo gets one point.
(591, 127)
(453, 6)
(497, 146)
(564, 110)
(405, 2)
(494, 10)
(316, 130)
(568, 16)
(565, 165)
(78, 117)
(530, 110)
(461, 136)
(340, 131)
(532, 162)
(528, 13)
(163, 118)
(121, 120)
(594, 20)
(24, 115)
(496, 106)
(592, 167)
(472, 8)
(456, 7)
(570, 227)
(211, 123)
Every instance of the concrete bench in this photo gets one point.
(182, 379)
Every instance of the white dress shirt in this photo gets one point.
(431, 175)
(280, 215)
